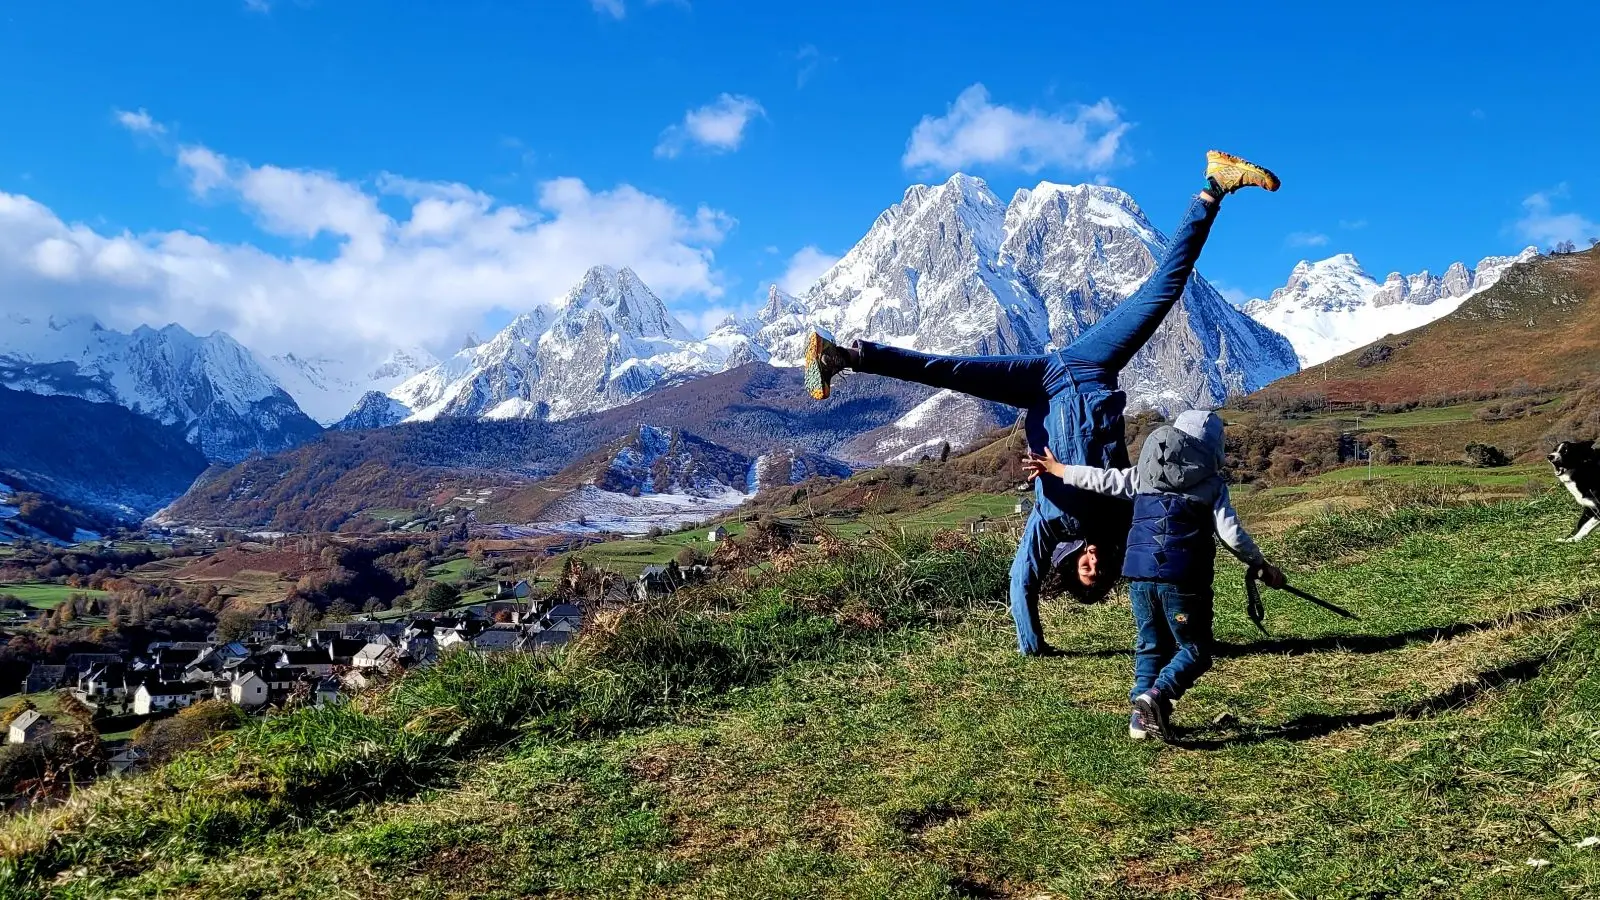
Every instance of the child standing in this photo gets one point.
(1180, 501)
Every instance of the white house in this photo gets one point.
(28, 728)
(375, 655)
(248, 690)
(716, 534)
(164, 696)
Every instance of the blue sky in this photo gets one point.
(263, 165)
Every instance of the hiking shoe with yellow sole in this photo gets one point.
(821, 364)
(1230, 173)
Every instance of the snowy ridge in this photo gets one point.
(950, 269)
(1332, 306)
(228, 404)
(608, 341)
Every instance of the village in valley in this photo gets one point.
(286, 653)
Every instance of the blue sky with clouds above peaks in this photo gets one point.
(356, 174)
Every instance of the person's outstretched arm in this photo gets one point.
(1239, 542)
(1111, 482)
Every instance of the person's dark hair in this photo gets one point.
(1063, 578)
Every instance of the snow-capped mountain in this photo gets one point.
(951, 269)
(211, 387)
(608, 341)
(328, 389)
(1333, 306)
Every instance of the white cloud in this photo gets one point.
(139, 122)
(1352, 224)
(702, 321)
(424, 276)
(975, 132)
(717, 126)
(1541, 224)
(805, 267)
(258, 6)
(1306, 239)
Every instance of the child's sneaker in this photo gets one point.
(1136, 729)
(1156, 712)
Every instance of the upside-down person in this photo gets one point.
(1180, 505)
(1073, 408)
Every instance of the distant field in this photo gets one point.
(959, 509)
(45, 596)
(630, 557)
(1507, 476)
(453, 571)
(48, 703)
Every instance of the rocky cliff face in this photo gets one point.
(951, 269)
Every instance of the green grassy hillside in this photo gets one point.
(858, 725)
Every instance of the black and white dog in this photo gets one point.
(1578, 466)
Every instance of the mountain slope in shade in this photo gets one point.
(210, 387)
(328, 389)
(755, 410)
(608, 341)
(373, 410)
(653, 477)
(951, 269)
(1332, 306)
(99, 456)
(1538, 326)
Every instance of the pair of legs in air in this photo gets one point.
(1078, 382)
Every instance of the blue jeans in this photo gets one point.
(1032, 383)
(1174, 645)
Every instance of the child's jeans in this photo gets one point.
(1174, 645)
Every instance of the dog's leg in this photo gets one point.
(1586, 523)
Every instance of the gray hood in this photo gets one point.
(1183, 458)
(1207, 427)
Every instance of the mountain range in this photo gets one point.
(211, 388)
(948, 269)
(609, 341)
(1333, 306)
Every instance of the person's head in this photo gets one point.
(1090, 572)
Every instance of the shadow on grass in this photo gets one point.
(1315, 725)
(1381, 643)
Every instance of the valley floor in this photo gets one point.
(1446, 745)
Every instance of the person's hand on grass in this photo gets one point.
(1043, 465)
